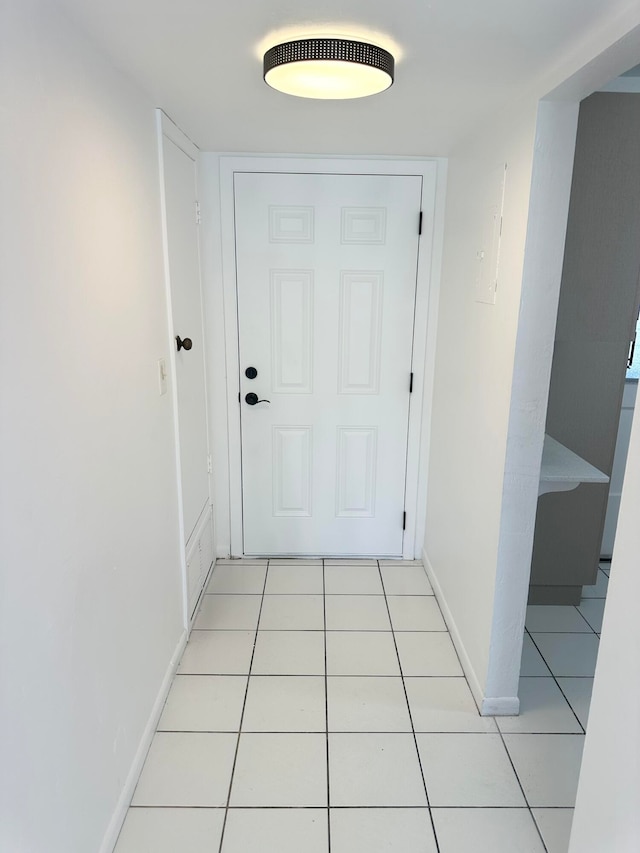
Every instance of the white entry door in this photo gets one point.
(326, 278)
(186, 310)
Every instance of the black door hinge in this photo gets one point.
(238, 396)
(420, 224)
(404, 520)
(411, 383)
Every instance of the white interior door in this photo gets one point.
(186, 309)
(326, 278)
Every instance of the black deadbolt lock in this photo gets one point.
(187, 343)
(251, 373)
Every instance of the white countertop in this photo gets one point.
(563, 470)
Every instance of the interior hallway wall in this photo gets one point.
(607, 815)
(90, 599)
(474, 362)
(488, 420)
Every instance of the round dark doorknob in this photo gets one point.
(251, 373)
(251, 399)
(187, 343)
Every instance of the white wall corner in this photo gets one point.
(489, 706)
(542, 271)
(500, 706)
(465, 661)
(120, 811)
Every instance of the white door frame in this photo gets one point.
(433, 174)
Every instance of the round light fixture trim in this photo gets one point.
(328, 68)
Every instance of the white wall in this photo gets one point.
(474, 364)
(91, 598)
(607, 816)
(489, 413)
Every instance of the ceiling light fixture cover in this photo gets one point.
(328, 68)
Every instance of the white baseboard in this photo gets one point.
(489, 706)
(500, 706)
(120, 811)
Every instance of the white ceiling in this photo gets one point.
(456, 60)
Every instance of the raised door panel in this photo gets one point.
(361, 305)
(292, 331)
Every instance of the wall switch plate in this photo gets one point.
(162, 376)
(488, 255)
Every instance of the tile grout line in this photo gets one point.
(326, 705)
(244, 705)
(582, 616)
(553, 675)
(529, 809)
(348, 808)
(406, 697)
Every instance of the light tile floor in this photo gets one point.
(320, 706)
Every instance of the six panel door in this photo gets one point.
(326, 278)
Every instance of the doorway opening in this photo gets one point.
(339, 341)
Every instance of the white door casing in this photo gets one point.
(432, 172)
(179, 194)
(326, 281)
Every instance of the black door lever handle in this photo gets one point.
(252, 399)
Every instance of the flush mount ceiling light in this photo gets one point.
(328, 68)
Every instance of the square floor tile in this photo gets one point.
(289, 653)
(548, 767)
(352, 580)
(367, 704)
(569, 654)
(445, 705)
(598, 589)
(294, 580)
(229, 612)
(578, 692)
(237, 578)
(415, 613)
(361, 653)
(486, 831)
(555, 619)
(276, 831)
(292, 613)
(357, 613)
(375, 770)
(285, 703)
(218, 653)
(532, 661)
(204, 703)
(555, 828)
(381, 831)
(543, 709)
(593, 611)
(468, 770)
(186, 769)
(427, 653)
(280, 770)
(167, 830)
(405, 580)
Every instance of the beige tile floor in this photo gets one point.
(320, 706)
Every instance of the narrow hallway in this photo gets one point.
(321, 706)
